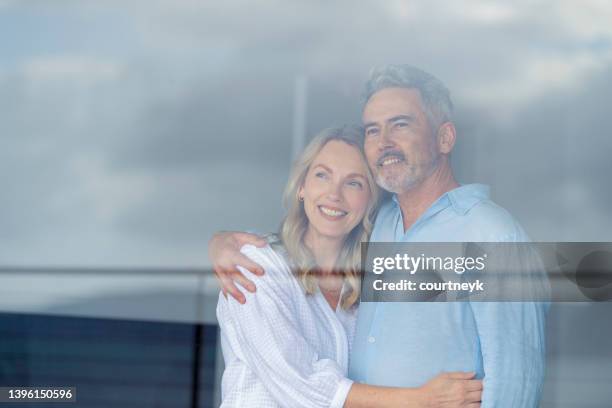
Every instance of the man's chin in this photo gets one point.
(395, 185)
(391, 185)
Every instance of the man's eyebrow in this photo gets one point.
(409, 118)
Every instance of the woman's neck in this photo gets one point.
(325, 251)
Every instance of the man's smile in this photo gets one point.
(389, 159)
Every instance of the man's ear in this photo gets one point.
(446, 137)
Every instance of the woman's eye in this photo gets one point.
(355, 183)
(320, 174)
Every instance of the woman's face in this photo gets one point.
(336, 191)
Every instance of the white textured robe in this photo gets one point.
(283, 348)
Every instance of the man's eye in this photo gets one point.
(401, 124)
(371, 132)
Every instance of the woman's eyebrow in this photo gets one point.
(356, 175)
(324, 167)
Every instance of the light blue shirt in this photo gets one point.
(407, 344)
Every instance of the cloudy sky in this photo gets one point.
(133, 130)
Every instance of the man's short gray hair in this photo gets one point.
(435, 95)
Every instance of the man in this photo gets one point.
(409, 136)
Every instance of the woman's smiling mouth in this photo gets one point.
(330, 212)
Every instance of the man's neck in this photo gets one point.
(414, 202)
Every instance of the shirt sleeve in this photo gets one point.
(265, 334)
(512, 337)
(513, 352)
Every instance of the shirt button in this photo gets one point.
(371, 339)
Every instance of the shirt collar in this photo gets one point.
(462, 198)
(465, 197)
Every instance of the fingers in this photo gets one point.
(474, 385)
(228, 286)
(217, 274)
(246, 263)
(460, 375)
(224, 251)
(230, 262)
(243, 281)
(235, 275)
(473, 396)
(247, 238)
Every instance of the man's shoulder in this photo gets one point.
(494, 223)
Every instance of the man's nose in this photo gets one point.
(384, 141)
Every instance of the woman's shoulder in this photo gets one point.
(277, 284)
(270, 257)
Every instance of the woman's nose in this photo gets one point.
(335, 192)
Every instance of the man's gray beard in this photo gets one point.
(405, 183)
(396, 185)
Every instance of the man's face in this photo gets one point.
(400, 144)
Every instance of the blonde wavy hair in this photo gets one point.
(295, 224)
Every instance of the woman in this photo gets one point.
(289, 344)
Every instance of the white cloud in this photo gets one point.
(71, 67)
(470, 11)
(587, 18)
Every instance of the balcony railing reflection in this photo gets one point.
(161, 360)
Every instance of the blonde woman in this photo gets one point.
(288, 345)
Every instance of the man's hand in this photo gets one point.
(224, 252)
(453, 390)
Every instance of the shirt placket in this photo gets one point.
(373, 340)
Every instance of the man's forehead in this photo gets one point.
(390, 102)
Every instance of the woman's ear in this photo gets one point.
(446, 137)
(300, 194)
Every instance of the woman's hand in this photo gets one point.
(452, 390)
(224, 253)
